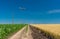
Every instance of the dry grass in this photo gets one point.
(53, 29)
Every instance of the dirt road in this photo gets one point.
(22, 34)
(31, 33)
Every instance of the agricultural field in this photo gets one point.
(7, 29)
(49, 29)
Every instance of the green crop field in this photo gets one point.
(7, 29)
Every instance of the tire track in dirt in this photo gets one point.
(22, 34)
(19, 34)
(31, 33)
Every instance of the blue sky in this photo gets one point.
(36, 11)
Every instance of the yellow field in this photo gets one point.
(53, 28)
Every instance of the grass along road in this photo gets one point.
(8, 29)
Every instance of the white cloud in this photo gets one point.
(54, 11)
(22, 8)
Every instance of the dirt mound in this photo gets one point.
(36, 33)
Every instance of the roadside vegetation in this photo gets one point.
(7, 29)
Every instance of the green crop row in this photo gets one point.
(7, 29)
